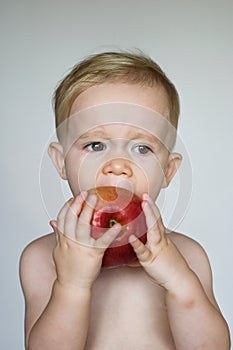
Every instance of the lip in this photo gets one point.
(122, 183)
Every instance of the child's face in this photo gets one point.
(106, 153)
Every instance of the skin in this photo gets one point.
(164, 302)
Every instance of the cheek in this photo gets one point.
(72, 165)
(154, 176)
(72, 178)
(82, 172)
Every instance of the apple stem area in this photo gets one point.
(112, 222)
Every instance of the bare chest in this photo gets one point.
(128, 312)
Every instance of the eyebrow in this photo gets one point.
(94, 133)
(103, 134)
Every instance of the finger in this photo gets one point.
(83, 230)
(108, 237)
(159, 221)
(153, 229)
(156, 230)
(53, 224)
(71, 217)
(61, 216)
(144, 255)
(155, 210)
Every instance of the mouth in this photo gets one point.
(122, 183)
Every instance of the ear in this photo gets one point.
(56, 153)
(172, 166)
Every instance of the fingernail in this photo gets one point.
(52, 224)
(83, 194)
(132, 238)
(145, 196)
(116, 226)
(92, 200)
(144, 203)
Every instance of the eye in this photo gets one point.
(95, 146)
(142, 149)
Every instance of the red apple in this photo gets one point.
(116, 204)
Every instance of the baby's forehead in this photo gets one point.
(119, 118)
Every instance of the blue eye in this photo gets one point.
(142, 149)
(95, 147)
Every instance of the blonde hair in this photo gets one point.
(113, 67)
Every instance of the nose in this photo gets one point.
(119, 167)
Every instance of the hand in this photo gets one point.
(159, 257)
(78, 256)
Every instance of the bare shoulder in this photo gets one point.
(192, 251)
(37, 260)
(197, 259)
(37, 275)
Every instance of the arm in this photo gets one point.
(58, 317)
(195, 321)
(65, 320)
(194, 317)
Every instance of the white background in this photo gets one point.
(41, 41)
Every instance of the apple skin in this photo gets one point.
(116, 204)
